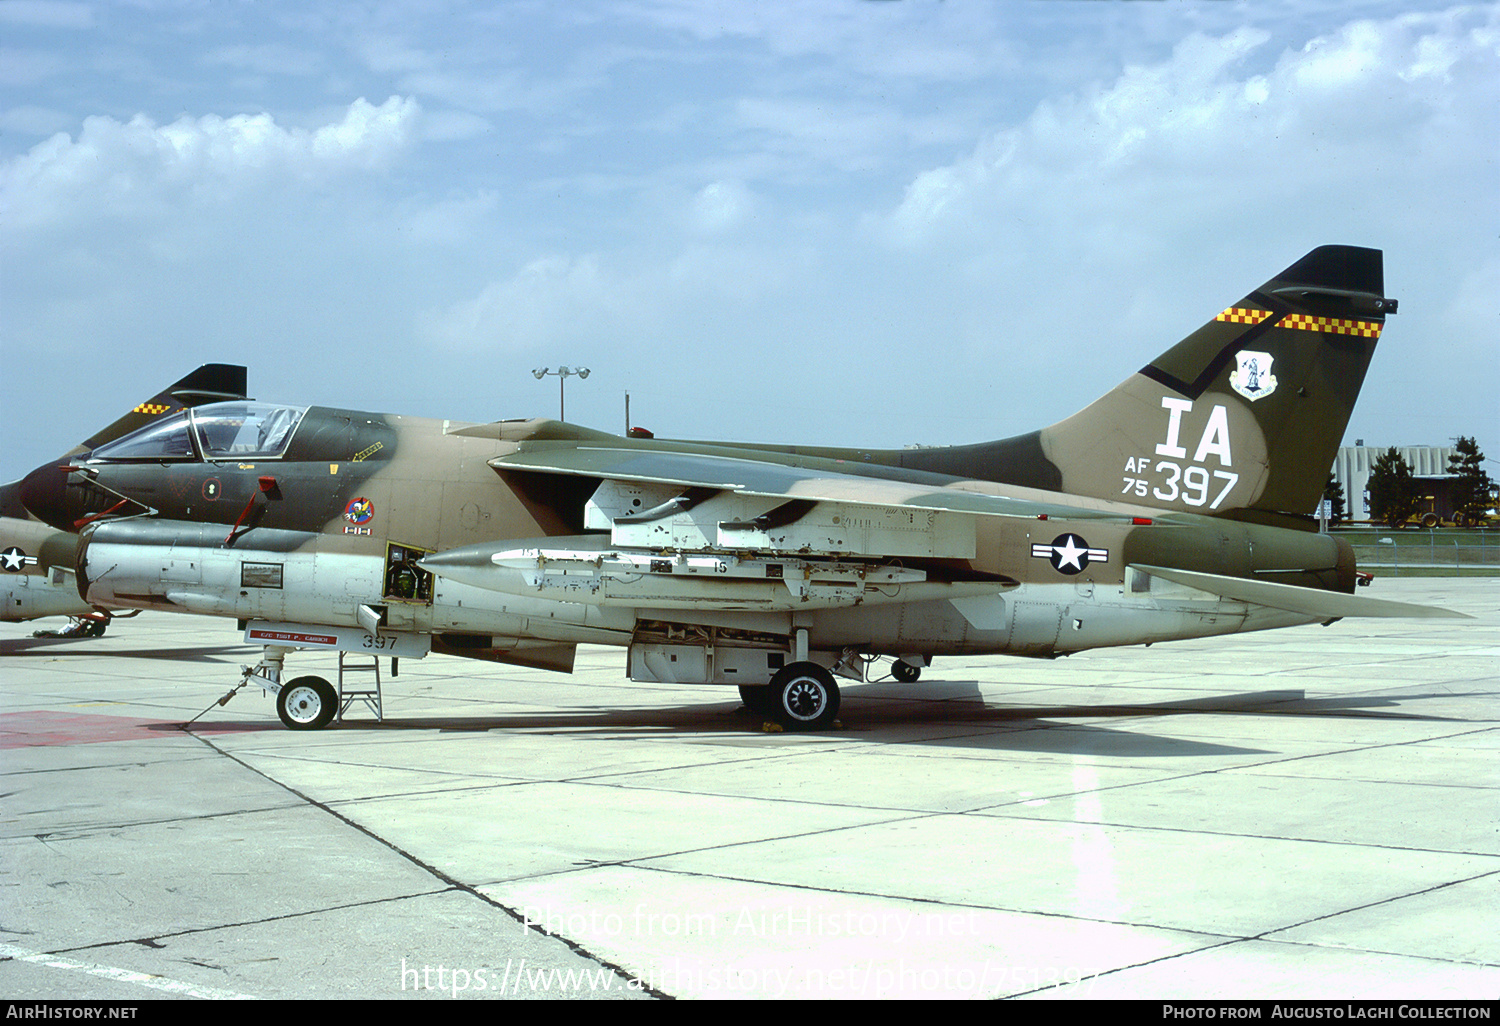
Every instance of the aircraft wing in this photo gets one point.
(748, 533)
(762, 478)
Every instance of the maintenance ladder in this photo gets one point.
(354, 663)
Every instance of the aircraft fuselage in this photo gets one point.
(342, 516)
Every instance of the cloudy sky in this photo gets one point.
(831, 221)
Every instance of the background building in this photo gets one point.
(1429, 464)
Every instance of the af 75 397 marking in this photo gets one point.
(1173, 480)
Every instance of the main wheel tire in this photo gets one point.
(307, 703)
(1430, 520)
(760, 700)
(905, 672)
(805, 697)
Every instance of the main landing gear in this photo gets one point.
(801, 696)
(91, 626)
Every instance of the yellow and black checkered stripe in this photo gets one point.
(1243, 315)
(1306, 322)
(151, 408)
(1302, 322)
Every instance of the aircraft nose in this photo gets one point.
(44, 493)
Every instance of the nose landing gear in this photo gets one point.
(307, 703)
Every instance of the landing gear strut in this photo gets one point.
(304, 703)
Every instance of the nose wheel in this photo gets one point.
(307, 703)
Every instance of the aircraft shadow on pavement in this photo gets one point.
(176, 653)
(1021, 727)
(1288, 702)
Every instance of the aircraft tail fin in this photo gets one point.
(1246, 413)
(1242, 418)
(210, 383)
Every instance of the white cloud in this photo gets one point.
(118, 168)
(720, 206)
(1351, 116)
(551, 298)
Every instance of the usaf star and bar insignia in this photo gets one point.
(1069, 554)
(13, 560)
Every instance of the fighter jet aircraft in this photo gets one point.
(36, 576)
(37, 561)
(1176, 506)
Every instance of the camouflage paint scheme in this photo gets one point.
(1177, 505)
(37, 561)
(29, 589)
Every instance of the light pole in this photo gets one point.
(562, 379)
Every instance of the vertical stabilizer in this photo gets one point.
(1245, 415)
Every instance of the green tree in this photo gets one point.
(1333, 494)
(1473, 492)
(1393, 493)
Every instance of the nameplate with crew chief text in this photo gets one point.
(343, 639)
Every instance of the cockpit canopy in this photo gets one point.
(217, 431)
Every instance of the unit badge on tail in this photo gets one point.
(1253, 378)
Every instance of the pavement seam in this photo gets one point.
(453, 883)
(1266, 937)
(152, 940)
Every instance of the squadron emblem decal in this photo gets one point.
(1069, 554)
(359, 511)
(1253, 378)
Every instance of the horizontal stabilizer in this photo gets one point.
(1307, 601)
